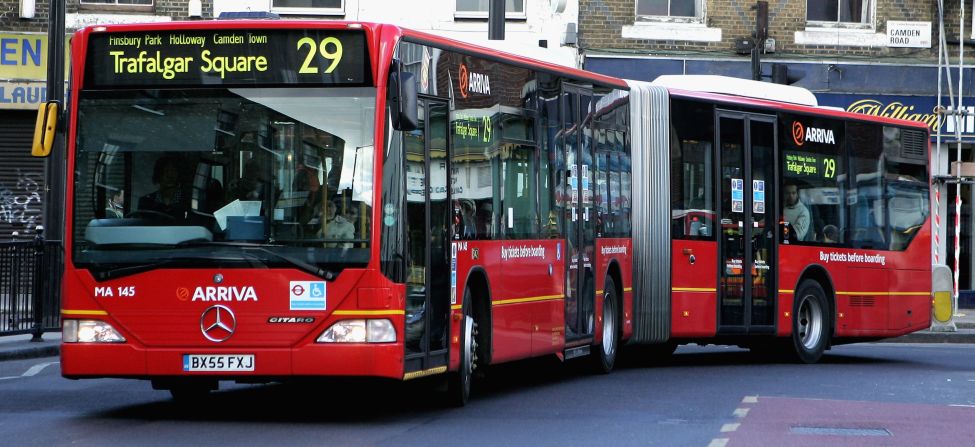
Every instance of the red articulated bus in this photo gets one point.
(264, 200)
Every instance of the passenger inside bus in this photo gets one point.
(115, 204)
(336, 228)
(795, 212)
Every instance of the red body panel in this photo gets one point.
(694, 289)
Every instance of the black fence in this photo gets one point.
(30, 287)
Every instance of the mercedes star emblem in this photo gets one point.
(218, 323)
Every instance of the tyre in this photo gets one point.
(604, 355)
(811, 322)
(459, 382)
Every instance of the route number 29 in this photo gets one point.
(330, 48)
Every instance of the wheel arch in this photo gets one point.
(480, 287)
(818, 273)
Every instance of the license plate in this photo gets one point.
(222, 362)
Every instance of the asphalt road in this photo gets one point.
(865, 394)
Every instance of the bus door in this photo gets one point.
(428, 287)
(580, 219)
(748, 210)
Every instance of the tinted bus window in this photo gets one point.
(866, 198)
(906, 191)
(692, 171)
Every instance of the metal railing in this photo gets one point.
(30, 286)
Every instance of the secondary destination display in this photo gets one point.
(227, 57)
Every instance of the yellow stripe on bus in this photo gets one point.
(369, 312)
(528, 300)
(83, 312)
(692, 289)
(872, 293)
(627, 289)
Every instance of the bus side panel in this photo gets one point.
(620, 251)
(531, 280)
(694, 288)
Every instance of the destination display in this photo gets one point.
(227, 57)
(805, 164)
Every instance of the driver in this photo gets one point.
(169, 198)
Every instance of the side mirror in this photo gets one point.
(44, 129)
(402, 99)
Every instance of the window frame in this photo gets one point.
(700, 9)
(340, 11)
(868, 24)
(84, 5)
(476, 14)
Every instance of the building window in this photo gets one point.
(478, 9)
(124, 5)
(310, 7)
(658, 9)
(839, 11)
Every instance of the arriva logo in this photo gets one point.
(802, 134)
(222, 293)
(471, 82)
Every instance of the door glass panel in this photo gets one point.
(762, 139)
(439, 226)
(732, 143)
(587, 221)
(570, 139)
(416, 227)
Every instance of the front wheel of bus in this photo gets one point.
(811, 322)
(459, 382)
(604, 356)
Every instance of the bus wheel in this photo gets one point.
(604, 355)
(810, 322)
(459, 382)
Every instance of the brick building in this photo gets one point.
(878, 57)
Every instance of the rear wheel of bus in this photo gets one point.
(811, 322)
(604, 355)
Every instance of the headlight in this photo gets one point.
(89, 331)
(359, 331)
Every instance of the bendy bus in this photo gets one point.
(264, 200)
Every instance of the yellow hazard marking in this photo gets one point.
(424, 373)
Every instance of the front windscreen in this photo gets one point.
(248, 177)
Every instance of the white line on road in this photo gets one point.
(729, 427)
(741, 412)
(32, 371)
(718, 442)
(750, 400)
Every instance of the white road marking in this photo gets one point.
(729, 427)
(750, 400)
(718, 442)
(741, 412)
(32, 371)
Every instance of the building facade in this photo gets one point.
(877, 57)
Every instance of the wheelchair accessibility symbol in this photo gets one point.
(317, 290)
(307, 295)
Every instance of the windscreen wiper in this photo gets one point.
(118, 272)
(325, 274)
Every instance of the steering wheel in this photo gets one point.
(150, 214)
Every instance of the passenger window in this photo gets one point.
(692, 171)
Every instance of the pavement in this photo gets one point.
(15, 347)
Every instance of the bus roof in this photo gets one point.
(738, 87)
